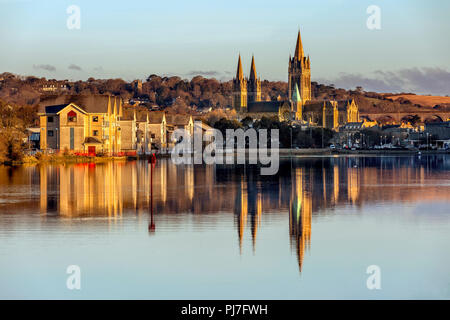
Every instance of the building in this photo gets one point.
(101, 124)
(299, 72)
(439, 133)
(299, 107)
(53, 86)
(85, 124)
(157, 129)
(33, 138)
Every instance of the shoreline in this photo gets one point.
(283, 153)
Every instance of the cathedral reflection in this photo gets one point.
(300, 215)
(308, 188)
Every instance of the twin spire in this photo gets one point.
(253, 75)
(240, 72)
(299, 54)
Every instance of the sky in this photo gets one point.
(133, 39)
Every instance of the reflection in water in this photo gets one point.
(303, 188)
(300, 216)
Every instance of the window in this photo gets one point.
(95, 119)
(72, 116)
(50, 133)
(95, 133)
(50, 119)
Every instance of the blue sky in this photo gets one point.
(133, 39)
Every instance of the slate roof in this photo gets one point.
(94, 103)
(56, 108)
(155, 117)
(178, 119)
(313, 105)
(127, 113)
(264, 106)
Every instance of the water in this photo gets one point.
(226, 232)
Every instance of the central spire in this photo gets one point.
(253, 75)
(299, 54)
(239, 72)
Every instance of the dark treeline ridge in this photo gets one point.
(182, 95)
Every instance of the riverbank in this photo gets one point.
(327, 151)
(284, 153)
(59, 158)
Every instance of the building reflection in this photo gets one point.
(302, 191)
(300, 215)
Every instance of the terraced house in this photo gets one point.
(101, 124)
(82, 124)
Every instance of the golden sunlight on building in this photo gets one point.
(242, 211)
(335, 184)
(87, 189)
(189, 181)
(300, 216)
(256, 219)
(353, 184)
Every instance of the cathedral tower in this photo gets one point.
(300, 72)
(239, 89)
(254, 84)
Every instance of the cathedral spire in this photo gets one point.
(239, 72)
(253, 75)
(299, 54)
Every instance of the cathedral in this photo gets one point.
(299, 108)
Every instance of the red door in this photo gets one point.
(91, 150)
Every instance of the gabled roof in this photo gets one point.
(178, 119)
(89, 103)
(156, 117)
(127, 113)
(58, 108)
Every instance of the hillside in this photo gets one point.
(426, 101)
(198, 94)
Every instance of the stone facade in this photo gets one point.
(299, 107)
(299, 72)
(100, 124)
(92, 127)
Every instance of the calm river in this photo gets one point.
(225, 232)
